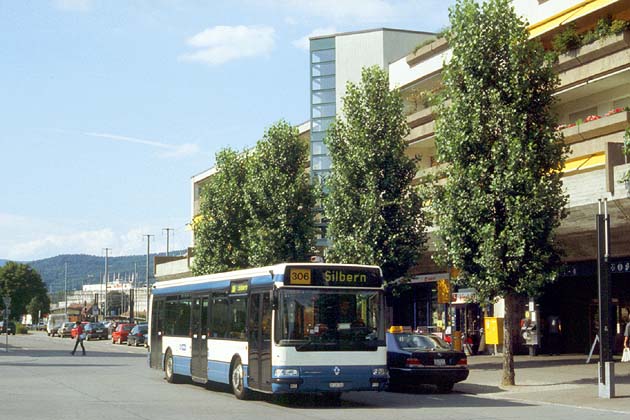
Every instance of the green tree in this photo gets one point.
(22, 283)
(280, 198)
(220, 232)
(503, 196)
(38, 305)
(375, 212)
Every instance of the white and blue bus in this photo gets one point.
(288, 328)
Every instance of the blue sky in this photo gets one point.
(109, 107)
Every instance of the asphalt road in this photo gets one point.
(39, 379)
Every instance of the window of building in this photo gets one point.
(324, 69)
(325, 82)
(323, 55)
(324, 96)
(326, 110)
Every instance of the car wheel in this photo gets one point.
(87, 338)
(128, 343)
(113, 341)
(237, 380)
(445, 387)
(120, 340)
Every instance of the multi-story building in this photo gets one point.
(594, 89)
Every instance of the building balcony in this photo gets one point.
(591, 62)
(597, 128)
(429, 50)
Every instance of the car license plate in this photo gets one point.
(439, 362)
(99, 330)
(336, 385)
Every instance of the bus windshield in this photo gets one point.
(329, 320)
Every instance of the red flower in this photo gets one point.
(614, 111)
(591, 118)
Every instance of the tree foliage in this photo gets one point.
(279, 198)
(23, 284)
(219, 235)
(503, 196)
(375, 213)
(257, 208)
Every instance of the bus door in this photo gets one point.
(157, 309)
(259, 341)
(199, 329)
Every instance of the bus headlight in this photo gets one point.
(379, 371)
(286, 372)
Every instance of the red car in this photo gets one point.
(119, 335)
(73, 332)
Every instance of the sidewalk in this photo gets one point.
(564, 379)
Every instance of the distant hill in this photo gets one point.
(88, 269)
(3, 262)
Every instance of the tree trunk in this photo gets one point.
(507, 378)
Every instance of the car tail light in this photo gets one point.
(462, 361)
(413, 362)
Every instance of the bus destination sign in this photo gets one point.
(335, 276)
(239, 287)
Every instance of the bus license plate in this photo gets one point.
(439, 362)
(336, 384)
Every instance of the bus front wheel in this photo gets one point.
(171, 377)
(237, 380)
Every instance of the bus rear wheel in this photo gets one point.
(237, 380)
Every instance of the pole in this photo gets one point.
(168, 230)
(606, 367)
(106, 278)
(147, 274)
(65, 288)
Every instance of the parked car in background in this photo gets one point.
(65, 330)
(423, 359)
(138, 335)
(7, 328)
(95, 331)
(74, 330)
(54, 322)
(121, 332)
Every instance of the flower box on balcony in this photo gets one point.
(596, 127)
(593, 51)
(427, 51)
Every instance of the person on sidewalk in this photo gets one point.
(626, 334)
(79, 339)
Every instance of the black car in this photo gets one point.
(423, 359)
(138, 335)
(95, 331)
(11, 327)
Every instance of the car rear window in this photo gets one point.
(411, 342)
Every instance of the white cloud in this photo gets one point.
(303, 43)
(170, 150)
(221, 44)
(73, 5)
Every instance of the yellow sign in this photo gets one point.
(443, 291)
(493, 329)
(300, 276)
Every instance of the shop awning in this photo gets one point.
(566, 16)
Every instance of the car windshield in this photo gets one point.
(415, 342)
(321, 320)
(127, 327)
(97, 325)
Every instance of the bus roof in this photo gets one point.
(259, 276)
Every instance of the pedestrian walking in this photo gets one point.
(79, 338)
(625, 357)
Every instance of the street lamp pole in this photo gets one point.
(147, 275)
(106, 276)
